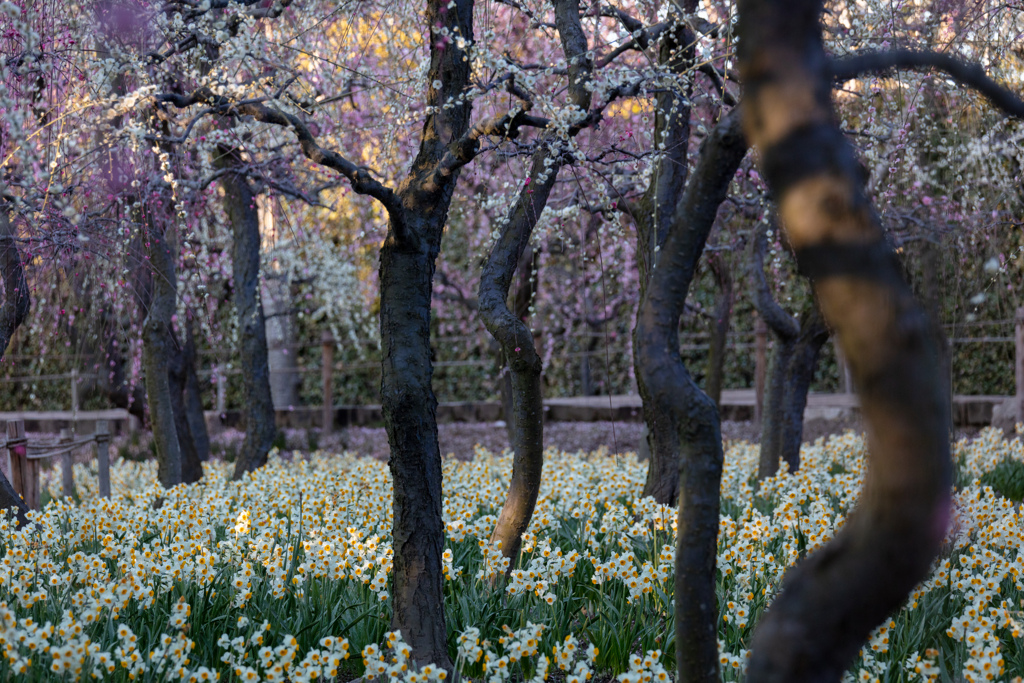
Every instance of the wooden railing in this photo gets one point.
(21, 460)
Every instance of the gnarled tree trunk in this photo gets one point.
(257, 402)
(509, 330)
(653, 217)
(13, 312)
(794, 359)
(524, 364)
(407, 261)
(526, 272)
(830, 602)
(683, 407)
(157, 340)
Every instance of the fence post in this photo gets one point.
(5, 457)
(66, 465)
(327, 374)
(102, 436)
(74, 394)
(222, 390)
(24, 473)
(1019, 362)
(760, 366)
(843, 368)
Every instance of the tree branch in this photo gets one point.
(465, 149)
(968, 74)
(781, 322)
(359, 176)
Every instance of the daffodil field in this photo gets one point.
(284, 576)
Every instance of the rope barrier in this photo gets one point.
(67, 449)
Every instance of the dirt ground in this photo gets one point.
(459, 438)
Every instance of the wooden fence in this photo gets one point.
(21, 460)
(760, 343)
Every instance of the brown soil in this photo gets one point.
(459, 438)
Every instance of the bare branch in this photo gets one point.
(967, 74)
(711, 72)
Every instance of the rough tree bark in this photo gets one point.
(257, 403)
(157, 350)
(13, 312)
(683, 407)
(831, 600)
(653, 218)
(719, 326)
(407, 261)
(794, 359)
(509, 330)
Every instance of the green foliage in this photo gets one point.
(1007, 479)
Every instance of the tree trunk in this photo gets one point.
(194, 397)
(281, 358)
(177, 371)
(802, 364)
(13, 312)
(683, 412)
(114, 381)
(830, 602)
(407, 261)
(773, 415)
(410, 417)
(932, 290)
(524, 364)
(156, 352)
(653, 218)
(526, 286)
(257, 403)
(191, 467)
(794, 359)
(507, 327)
(719, 327)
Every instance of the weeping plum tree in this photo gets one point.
(794, 358)
(831, 600)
